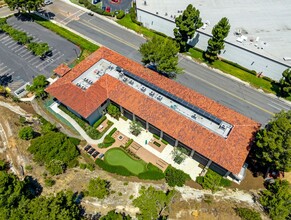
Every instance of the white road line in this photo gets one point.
(7, 40)
(33, 57)
(50, 58)
(4, 38)
(6, 71)
(3, 68)
(13, 48)
(25, 54)
(37, 62)
(274, 106)
(71, 17)
(22, 47)
(12, 45)
(51, 62)
(11, 42)
(280, 106)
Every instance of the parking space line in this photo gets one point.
(7, 36)
(37, 62)
(3, 68)
(51, 62)
(6, 71)
(13, 48)
(33, 57)
(6, 40)
(8, 43)
(50, 58)
(20, 49)
(12, 45)
(25, 54)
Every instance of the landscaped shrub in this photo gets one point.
(156, 136)
(133, 15)
(225, 182)
(175, 177)
(112, 131)
(92, 132)
(253, 72)
(120, 14)
(113, 169)
(268, 79)
(99, 122)
(151, 175)
(157, 144)
(164, 142)
(129, 142)
(248, 214)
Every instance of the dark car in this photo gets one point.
(87, 147)
(101, 156)
(91, 151)
(95, 154)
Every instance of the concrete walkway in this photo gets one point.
(55, 108)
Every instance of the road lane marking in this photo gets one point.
(102, 31)
(233, 95)
(275, 107)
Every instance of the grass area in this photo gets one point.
(118, 157)
(86, 46)
(267, 86)
(126, 22)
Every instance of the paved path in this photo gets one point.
(15, 108)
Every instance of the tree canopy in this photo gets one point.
(276, 199)
(273, 143)
(38, 85)
(216, 43)
(113, 111)
(186, 26)
(162, 53)
(24, 5)
(152, 202)
(26, 133)
(55, 150)
(285, 83)
(98, 188)
(112, 215)
(135, 127)
(175, 177)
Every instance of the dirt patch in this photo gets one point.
(250, 182)
(287, 176)
(27, 107)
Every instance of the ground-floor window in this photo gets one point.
(218, 169)
(200, 159)
(143, 122)
(169, 139)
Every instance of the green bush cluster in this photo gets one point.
(157, 144)
(253, 72)
(212, 181)
(156, 136)
(175, 177)
(164, 142)
(26, 133)
(120, 14)
(21, 37)
(99, 122)
(133, 15)
(49, 182)
(108, 140)
(247, 214)
(129, 142)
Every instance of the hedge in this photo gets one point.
(97, 123)
(133, 15)
(151, 175)
(156, 136)
(253, 72)
(112, 131)
(129, 142)
(120, 14)
(113, 169)
(164, 142)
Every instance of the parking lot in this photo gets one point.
(18, 65)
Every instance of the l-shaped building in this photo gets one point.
(215, 136)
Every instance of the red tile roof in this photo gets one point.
(229, 153)
(62, 69)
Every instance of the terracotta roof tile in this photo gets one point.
(229, 153)
(62, 70)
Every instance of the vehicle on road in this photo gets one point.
(47, 2)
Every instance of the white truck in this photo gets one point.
(47, 2)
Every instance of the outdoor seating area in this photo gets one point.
(120, 139)
(102, 126)
(157, 144)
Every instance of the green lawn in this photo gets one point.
(126, 22)
(117, 157)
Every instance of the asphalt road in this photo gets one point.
(224, 90)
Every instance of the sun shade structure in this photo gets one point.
(198, 123)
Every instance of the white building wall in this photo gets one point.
(246, 58)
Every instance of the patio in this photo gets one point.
(154, 144)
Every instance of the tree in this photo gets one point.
(161, 53)
(113, 111)
(216, 43)
(112, 215)
(38, 85)
(39, 49)
(175, 177)
(56, 167)
(285, 83)
(276, 199)
(152, 202)
(98, 188)
(248, 214)
(179, 154)
(26, 133)
(135, 128)
(186, 25)
(273, 143)
(24, 5)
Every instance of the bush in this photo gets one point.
(175, 177)
(156, 136)
(26, 133)
(120, 14)
(82, 166)
(90, 167)
(151, 175)
(28, 167)
(129, 142)
(268, 79)
(157, 144)
(97, 123)
(133, 15)
(114, 111)
(113, 169)
(247, 214)
(92, 133)
(49, 182)
(112, 131)
(164, 142)
(98, 188)
(225, 182)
